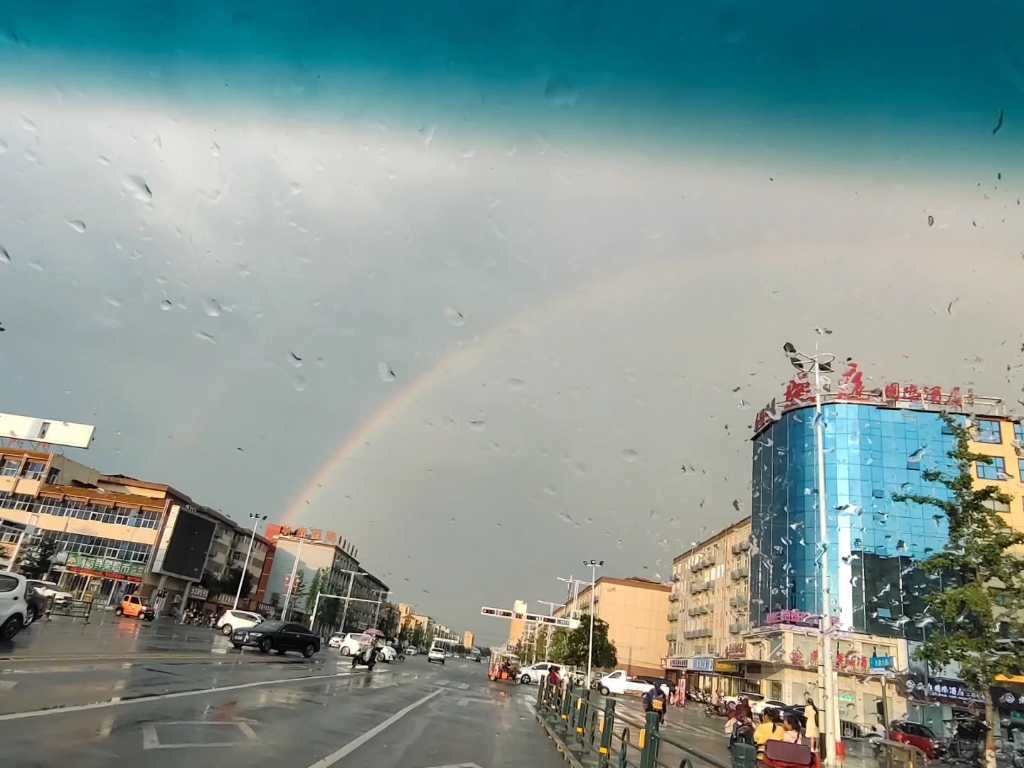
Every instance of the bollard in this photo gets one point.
(607, 727)
(649, 741)
(540, 696)
(743, 755)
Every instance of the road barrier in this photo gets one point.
(600, 734)
(75, 609)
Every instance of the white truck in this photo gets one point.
(620, 683)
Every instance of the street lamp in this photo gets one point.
(383, 594)
(594, 565)
(817, 364)
(256, 520)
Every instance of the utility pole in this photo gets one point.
(245, 568)
(291, 579)
(594, 565)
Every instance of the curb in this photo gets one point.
(562, 749)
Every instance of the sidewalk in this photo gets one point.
(107, 636)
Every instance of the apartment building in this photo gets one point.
(636, 611)
(467, 639)
(709, 611)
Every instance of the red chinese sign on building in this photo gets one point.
(799, 391)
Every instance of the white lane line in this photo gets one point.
(120, 702)
(462, 686)
(357, 742)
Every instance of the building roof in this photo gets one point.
(711, 540)
(85, 493)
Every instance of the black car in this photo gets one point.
(277, 636)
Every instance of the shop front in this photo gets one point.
(675, 671)
(103, 580)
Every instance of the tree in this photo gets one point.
(228, 585)
(981, 603)
(387, 620)
(559, 646)
(34, 559)
(311, 594)
(577, 643)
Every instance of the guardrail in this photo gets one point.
(75, 609)
(606, 735)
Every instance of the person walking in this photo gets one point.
(811, 730)
(656, 701)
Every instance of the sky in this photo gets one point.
(473, 284)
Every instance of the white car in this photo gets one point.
(752, 698)
(387, 654)
(232, 620)
(435, 655)
(351, 643)
(758, 707)
(411, 651)
(49, 590)
(620, 683)
(13, 591)
(535, 673)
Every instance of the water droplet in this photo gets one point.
(478, 425)
(114, 301)
(629, 455)
(516, 384)
(560, 93)
(138, 188)
(211, 307)
(205, 337)
(77, 224)
(5, 257)
(385, 372)
(36, 266)
(299, 384)
(295, 188)
(454, 317)
(3, 146)
(215, 150)
(166, 304)
(29, 126)
(102, 160)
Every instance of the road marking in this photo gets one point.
(121, 702)
(150, 739)
(467, 702)
(356, 743)
(458, 765)
(442, 681)
(7, 685)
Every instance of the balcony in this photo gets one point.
(674, 616)
(670, 636)
(739, 601)
(738, 628)
(740, 573)
(701, 586)
(740, 546)
(673, 597)
(699, 610)
(704, 562)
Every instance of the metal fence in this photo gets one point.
(75, 609)
(617, 740)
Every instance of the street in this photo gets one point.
(217, 705)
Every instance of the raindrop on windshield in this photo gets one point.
(629, 455)
(454, 317)
(299, 384)
(385, 372)
(211, 307)
(477, 425)
(205, 337)
(166, 304)
(77, 224)
(138, 188)
(5, 257)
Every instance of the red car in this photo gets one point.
(917, 735)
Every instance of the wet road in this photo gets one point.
(266, 711)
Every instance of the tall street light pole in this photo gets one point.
(291, 580)
(594, 565)
(817, 364)
(547, 631)
(256, 520)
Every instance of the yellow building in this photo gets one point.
(467, 639)
(636, 611)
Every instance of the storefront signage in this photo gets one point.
(879, 663)
(198, 593)
(675, 664)
(795, 619)
(800, 392)
(939, 689)
(726, 666)
(736, 651)
(310, 534)
(108, 566)
(703, 663)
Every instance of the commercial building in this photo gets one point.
(352, 598)
(636, 611)
(708, 615)
(875, 444)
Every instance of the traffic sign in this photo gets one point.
(881, 663)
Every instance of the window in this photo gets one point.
(8, 583)
(1018, 432)
(987, 431)
(994, 471)
(33, 470)
(997, 506)
(52, 476)
(9, 467)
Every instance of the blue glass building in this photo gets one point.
(871, 452)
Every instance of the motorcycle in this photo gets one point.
(366, 656)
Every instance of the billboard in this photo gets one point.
(184, 543)
(49, 431)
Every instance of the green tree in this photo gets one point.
(981, 603)
(229, 584)
(35, 558)
(559, 646)
(312, 593)
(577, 644)
(387, 620)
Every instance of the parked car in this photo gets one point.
(277, 636)
(232, 620)
(918, 735)
(758, 707)
(35, 602)
(351, 642)
(620, 683)
(411, 651)
(387, 653)
(50, 590)
(436, 654)
(13, 606)
(134, 607)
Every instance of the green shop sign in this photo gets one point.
(105, 565)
